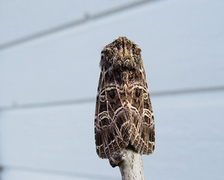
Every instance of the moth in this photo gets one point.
(124, 116)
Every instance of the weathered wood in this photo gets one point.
(132, 166)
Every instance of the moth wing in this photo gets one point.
(110, 133)
(143, 138)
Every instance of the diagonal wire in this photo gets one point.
(85, 19)
(92, 100)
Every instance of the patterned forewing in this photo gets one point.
(144, 131)
(110, 119)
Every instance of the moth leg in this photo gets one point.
(116, 159)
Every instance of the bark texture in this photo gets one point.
(132, 166)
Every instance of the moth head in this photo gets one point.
(122, 54)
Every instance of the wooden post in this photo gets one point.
(131, 166)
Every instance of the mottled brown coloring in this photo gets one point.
(124, 115)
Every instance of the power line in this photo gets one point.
(87, 17)
(92, 100)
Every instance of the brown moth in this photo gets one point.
(124, 116)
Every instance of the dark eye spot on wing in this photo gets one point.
(110, 137)
(137, 92)
(143, 135)
(112, 93)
